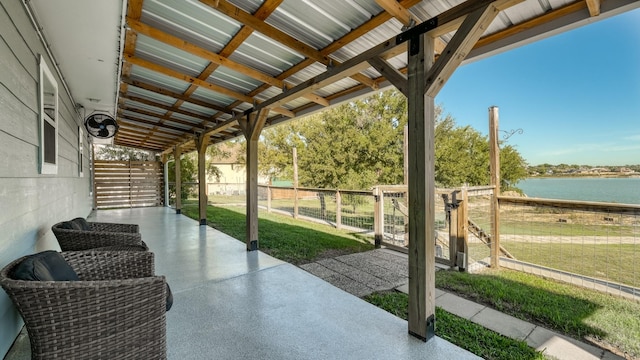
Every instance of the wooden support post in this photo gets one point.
(463, 221)
(421, 121)
(202, 142)
(295, 182)
(494, 158)
(406, 182)
(176, 157)
(252, 194)
(252, 127)
(338, 210)
(165, 177)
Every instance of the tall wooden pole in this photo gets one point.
(421, 121)
(494, 155)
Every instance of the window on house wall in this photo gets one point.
(81, 151)
(48, 120)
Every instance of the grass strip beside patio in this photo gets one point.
(605, 320)
(296, 242)
(461, 332)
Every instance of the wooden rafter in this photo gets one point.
(165, 92)
(247, 19)
(196, 81)
(205, 119)
(594, 7)
(213, 57)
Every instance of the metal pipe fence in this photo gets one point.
(595, 245)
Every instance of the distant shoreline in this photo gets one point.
(601, 175)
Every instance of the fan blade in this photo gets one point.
(91, 121)
(109, 121)
(103, 133)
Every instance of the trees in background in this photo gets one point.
(360, 144)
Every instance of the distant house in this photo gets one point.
(233, 174)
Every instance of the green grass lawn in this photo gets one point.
(577, 312)
(459, 331)
(614, 262)
(283, 237)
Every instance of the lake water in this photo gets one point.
(614, 190)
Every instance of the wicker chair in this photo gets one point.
(101, 235)
(116, 310)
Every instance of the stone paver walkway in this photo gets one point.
(364, 273)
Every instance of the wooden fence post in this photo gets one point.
(453, 229)
(378, 217)
(295, 202)
(462, 254)
(338, 209)
(268, 198)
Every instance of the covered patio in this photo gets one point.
(178, 76)
(233, 304)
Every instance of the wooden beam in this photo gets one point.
(206, 119)
(203, 53)
(252, 127)
(247, 19)
(396, 10)
(175, 95)
(213, 57)
(356, 63)
(398, 79)
(190, 79)
(149, 122)
(462, 42)
(421, 187)
(186, 78)
(134, 11)
(594, 7)
(191, 126)
(202, 142)
(530, 24)
(178, 176)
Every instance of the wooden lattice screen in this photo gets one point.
(124, 184)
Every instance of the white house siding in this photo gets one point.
(233, 180)
(29, 202)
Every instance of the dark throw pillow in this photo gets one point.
(44, 266)
(81, 224)
(67, 225)
(169, 298)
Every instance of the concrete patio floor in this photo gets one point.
(234, 304)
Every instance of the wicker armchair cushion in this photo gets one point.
(44, 266)
(76, 224)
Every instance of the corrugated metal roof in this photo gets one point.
(245, 47)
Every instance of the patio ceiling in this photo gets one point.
(192, 67)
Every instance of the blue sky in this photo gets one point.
(576, 95)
